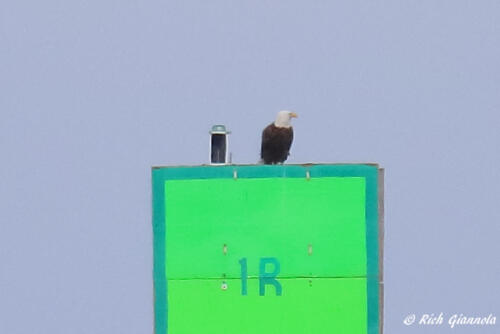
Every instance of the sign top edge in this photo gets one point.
(371, 164)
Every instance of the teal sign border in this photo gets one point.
(162, 174)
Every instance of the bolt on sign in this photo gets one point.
(254, 249)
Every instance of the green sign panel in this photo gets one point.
(267, 249)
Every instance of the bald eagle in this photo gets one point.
(277, 138)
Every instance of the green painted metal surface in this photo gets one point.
(321, 230)
(322, 306)
(254, 218)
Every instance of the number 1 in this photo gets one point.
(244, 276)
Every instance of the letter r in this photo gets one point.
(269, 277)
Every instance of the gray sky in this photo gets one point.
(93, 93)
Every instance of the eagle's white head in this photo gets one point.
(284, 119)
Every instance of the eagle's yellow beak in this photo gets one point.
(293, 115)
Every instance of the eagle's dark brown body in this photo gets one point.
(276, 143)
